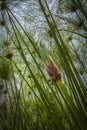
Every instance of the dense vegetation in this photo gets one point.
(43, 65)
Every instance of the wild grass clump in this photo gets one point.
(5, 69)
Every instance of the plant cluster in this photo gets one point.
(45, 87)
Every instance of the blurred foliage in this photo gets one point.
(41, 40)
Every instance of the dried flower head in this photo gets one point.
(53, 70)
(80, 23)
(3, 5)
(69, 38)
(2, 23)
(9, 56)
(73, 8)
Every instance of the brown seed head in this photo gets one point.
(9, 56)
(3, 5)
(80, 23)
(2, 23)
(53, 71)
(73, 8)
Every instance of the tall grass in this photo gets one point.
(38, 100)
